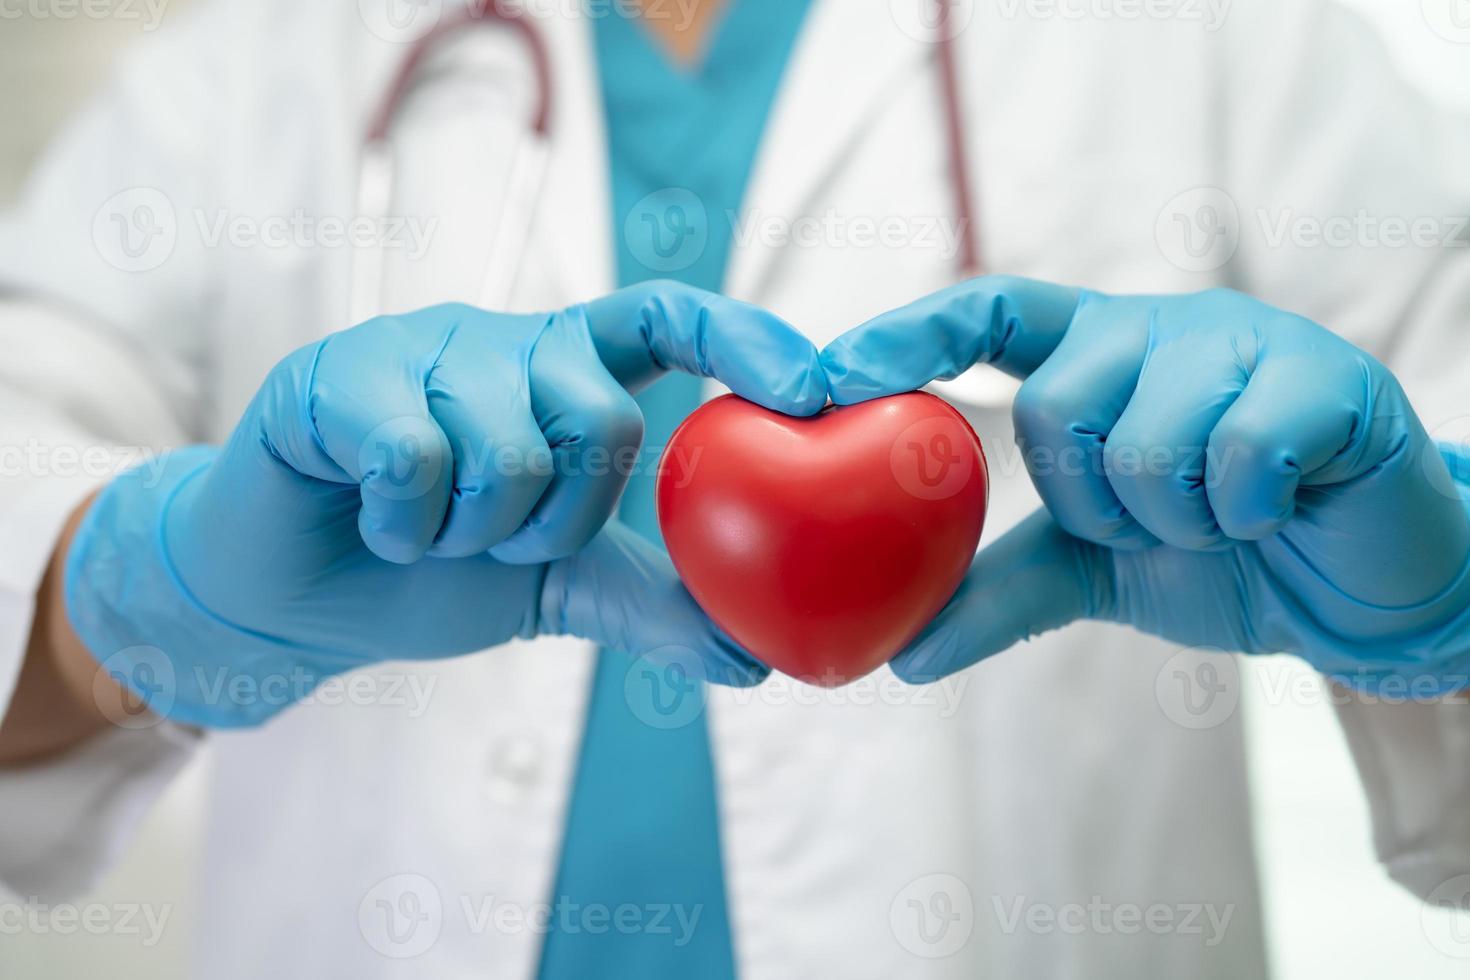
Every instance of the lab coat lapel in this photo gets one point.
(849, 53)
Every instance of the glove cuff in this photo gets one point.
(147, 631)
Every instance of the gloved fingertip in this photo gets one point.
(392, 549)
(846, 383)
(913, 671)
(785, 376)
(401, 545)
(1253, 527)
(738, 674)
(922, 663)
(807, 394)
(726, 663)
(524, 548)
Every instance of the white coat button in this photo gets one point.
(515, 765)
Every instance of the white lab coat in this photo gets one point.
(1057, 776)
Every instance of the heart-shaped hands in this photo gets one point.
(1215, 472)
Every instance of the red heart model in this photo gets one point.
(823, 545)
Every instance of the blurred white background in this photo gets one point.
(1331, 913)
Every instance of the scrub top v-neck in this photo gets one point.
(640, 891)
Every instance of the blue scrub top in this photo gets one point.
(640, 891)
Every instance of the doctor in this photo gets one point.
(534, 820)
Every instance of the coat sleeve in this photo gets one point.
(100, 363)
(1353, 201)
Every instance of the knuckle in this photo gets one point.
(611, 418)
(1094, 524)
(1242, 446)
(1043, 406)
(553, 541)
(1149, 456)
(522, 467)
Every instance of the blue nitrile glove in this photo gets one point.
(418, 486)
(1215, 471)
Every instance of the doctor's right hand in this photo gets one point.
(419, 486)
(1215, 471)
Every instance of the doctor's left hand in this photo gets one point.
(1215, 472)
(419, 486)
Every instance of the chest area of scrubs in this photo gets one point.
(642, 829)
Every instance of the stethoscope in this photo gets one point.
(522, 188)
(528, 169)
